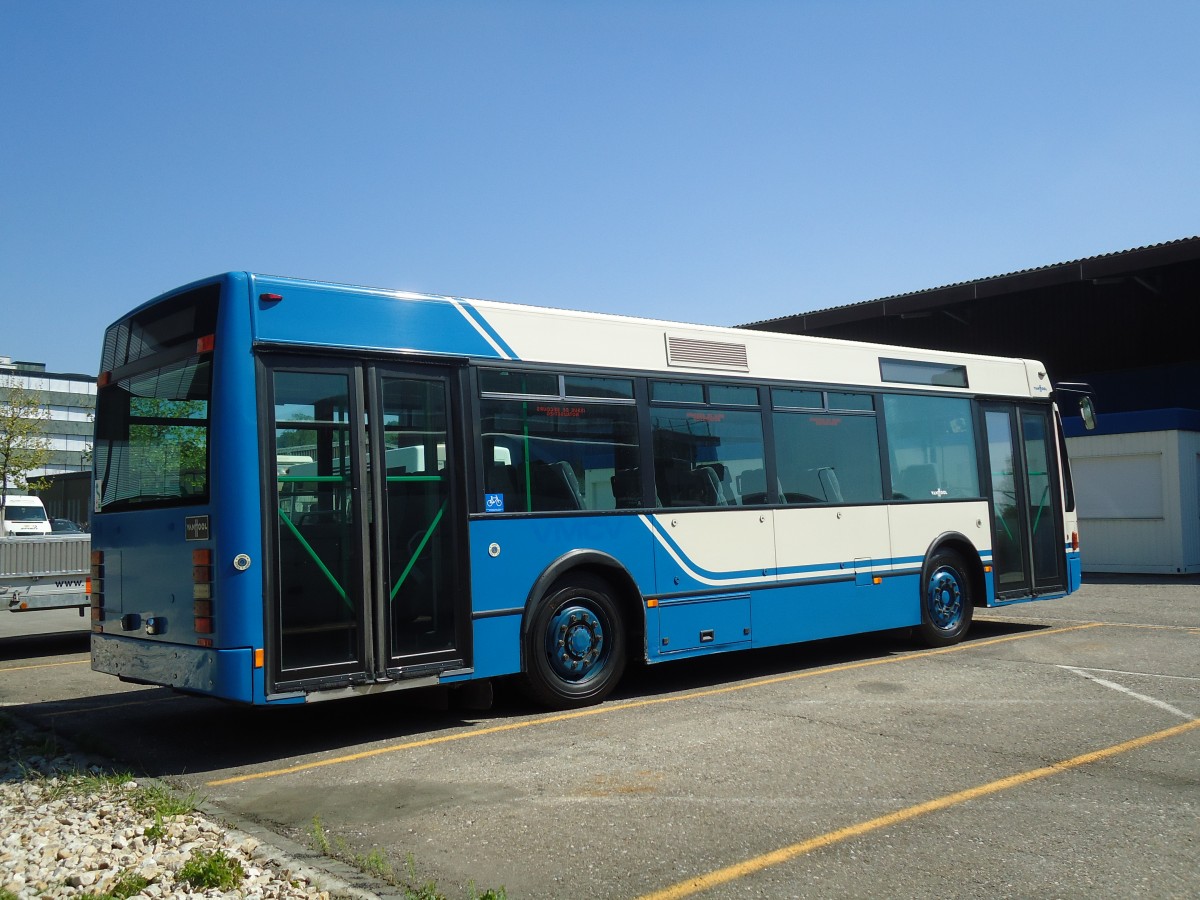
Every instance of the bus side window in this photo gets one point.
(700, 454)
(829, 457)
(564, 455)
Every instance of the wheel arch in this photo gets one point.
(962, 545)
(596, 564)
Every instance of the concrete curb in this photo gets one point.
(340, 879)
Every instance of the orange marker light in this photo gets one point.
(258, 658)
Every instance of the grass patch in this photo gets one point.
(376, 863)
(153, 800)
(205, 871)
(127, 885)
(162, 802)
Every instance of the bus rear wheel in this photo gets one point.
(575, 644)
(946, 599)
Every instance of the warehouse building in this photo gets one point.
(1128, 324)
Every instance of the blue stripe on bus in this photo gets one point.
(746, 577)
(370, 320)
(476, 318)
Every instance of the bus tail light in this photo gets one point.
(95, 589)
(1074, 541)
(202, 591)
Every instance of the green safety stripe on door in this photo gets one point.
(315, 558)
(417, 553)
(1042, 507)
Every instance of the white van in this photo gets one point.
(23, 515)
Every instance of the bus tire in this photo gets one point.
(575, 645)
(946, 599)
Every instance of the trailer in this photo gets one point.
(45, 572)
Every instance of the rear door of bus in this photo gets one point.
(366, 523)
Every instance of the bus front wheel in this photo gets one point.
(575, 644)
(946, 599)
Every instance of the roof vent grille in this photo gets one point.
(694, 353)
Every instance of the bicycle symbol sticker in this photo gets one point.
(493, 502)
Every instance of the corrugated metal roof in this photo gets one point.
(1099, 266)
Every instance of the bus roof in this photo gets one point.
(314, 314)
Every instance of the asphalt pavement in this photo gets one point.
(1054, 753)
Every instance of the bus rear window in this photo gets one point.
(173, 323)
(152, 437)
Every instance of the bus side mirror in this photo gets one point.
(1088, 412)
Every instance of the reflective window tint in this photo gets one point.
(317, 519)
(827, 458)
(676, 392)
(498, 381)
(151, 445)
(732, 395)
(931, 447)
(908, 371)
(786, 398)
(602, 388)
(550, 455)
(707, 457)
(843, 400)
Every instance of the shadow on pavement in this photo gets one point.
(158, 732)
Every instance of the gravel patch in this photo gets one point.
(68, 829)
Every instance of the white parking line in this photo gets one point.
(1143, 674)
(1124, 690)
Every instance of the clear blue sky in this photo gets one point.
(711, 162)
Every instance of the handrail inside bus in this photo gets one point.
(417, 553)
(317, 559)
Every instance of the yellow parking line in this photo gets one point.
(106, 707)
(634, 704)
(784, 854)
(74, 662)
(1006, 618)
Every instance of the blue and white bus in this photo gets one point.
(307, 491)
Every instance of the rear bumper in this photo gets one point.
(228, 674)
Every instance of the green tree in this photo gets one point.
(23, 442)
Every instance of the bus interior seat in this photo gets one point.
(498, 478)
(553, 486)
(678, 484)
(321, 517)
(752, 485)
(724, 483)
(312, 600)
(916, 483)
(706, 487)
(627, 488)
(668, 481)
(830, 484)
